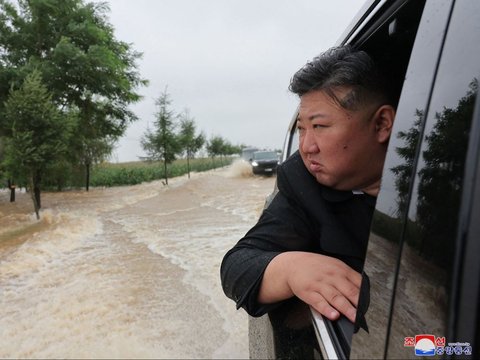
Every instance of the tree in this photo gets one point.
(93, 151)
(443, 173)
(403, 172)
(82, 64)
(10, 183)
(215, 147)
(162, 143)
(230, 149)
(190, 143)
(39, 134)
(440, 171)
(218, 146)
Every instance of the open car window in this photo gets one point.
(389, 38)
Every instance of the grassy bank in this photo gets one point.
(109, 174)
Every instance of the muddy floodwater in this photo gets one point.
(126, 272)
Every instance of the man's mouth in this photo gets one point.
(314, 166)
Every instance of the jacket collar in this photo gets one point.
(333, 195)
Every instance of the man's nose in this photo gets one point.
(309, 144)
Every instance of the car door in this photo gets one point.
(393, 35)
(423, 280)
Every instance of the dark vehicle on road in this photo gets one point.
(421, 296)
(264, 162)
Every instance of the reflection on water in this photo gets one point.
(126, 272)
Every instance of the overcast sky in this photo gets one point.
(228, 61)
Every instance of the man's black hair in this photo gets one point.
(342, 67)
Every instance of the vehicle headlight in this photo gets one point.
(254, 163)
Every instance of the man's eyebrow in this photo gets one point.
(313, 117)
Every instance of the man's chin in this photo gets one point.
(321, 178)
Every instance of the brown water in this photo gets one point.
(129, 272)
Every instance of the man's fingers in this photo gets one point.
(350, 290)
(323, 307)
(332, 287)
(330, 303)
(355, 278)
(342, 304)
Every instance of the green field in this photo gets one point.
(131, 173)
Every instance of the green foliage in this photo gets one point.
(232, 149)
(63, 175)
(432, 218)
(189, 141)
(218, 146)
(386, 226)
(215, 146)
(162, 143)
(83, 66)
(137, 172)
(39, 133)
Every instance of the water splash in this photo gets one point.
(240, 169)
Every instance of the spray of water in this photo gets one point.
(240, 169)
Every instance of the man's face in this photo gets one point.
(339, 147)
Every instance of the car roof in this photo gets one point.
(361, 20)
(365, 11)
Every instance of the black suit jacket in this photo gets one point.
(303, 216)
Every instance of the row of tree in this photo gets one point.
(66, 84)
(176, 135)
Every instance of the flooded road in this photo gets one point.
(127, 272)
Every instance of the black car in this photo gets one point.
(264, 162)
(423, 254)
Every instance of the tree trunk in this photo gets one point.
(165, 170)
(37, 178)
(12, 187)
(188, 166)
(34, 198)
(87, 178)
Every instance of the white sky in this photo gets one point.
(228, 61)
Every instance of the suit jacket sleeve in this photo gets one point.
(283, 226)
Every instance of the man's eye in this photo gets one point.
(300, 130)
(319, 126)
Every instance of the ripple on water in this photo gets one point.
(83, 282)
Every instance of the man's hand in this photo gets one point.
(327, 284)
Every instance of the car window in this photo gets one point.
(426, 268)
(265, 155)
(390, 214)
(295, 141)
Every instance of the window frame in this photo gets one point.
(379, 14)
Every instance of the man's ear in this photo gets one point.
(383, 120)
